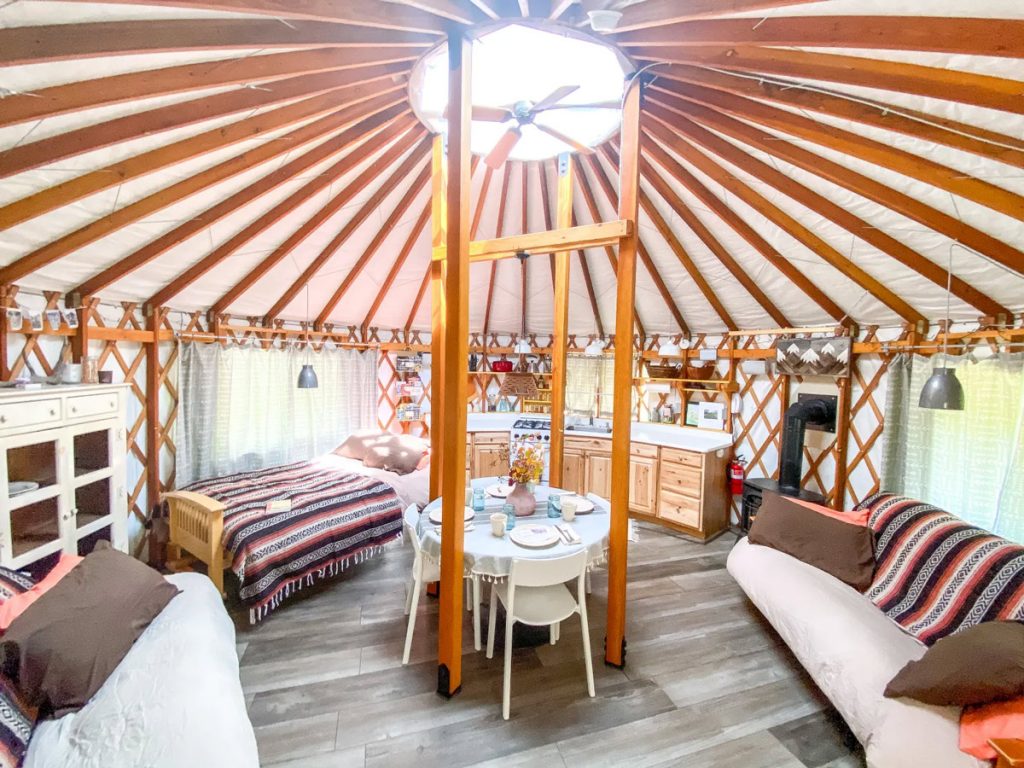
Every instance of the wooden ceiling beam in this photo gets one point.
(588, 281)
(392, 182)
(486, 8)
(367, 137)
(583, 236)
(781, 219)
(419, 297)
(394, 219)
(866, 187)
(946, 84)
(905, 163)
(162, 198)
(139, 124)
(558, 9)
(940, 34)
(821, 205)
(658, 13)
(63, 42)
(118, 173)
(459, 11)
(545, 194)
(343, 197)
(499, 230)
(882, 115)
(117, 89)
(224, 208)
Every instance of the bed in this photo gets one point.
(342, 513)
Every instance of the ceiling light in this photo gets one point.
(594, 349)
(522, 347)
(604, 21)
(669, 349)
(943, 390)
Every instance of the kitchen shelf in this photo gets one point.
(503, 373)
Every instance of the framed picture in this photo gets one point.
(15, 318)
(408, 363)
(53, 318)
(692, 414)
(35, 320)
(711, 415)
(814, 357)
(71, 318)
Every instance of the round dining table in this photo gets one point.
(487, 557)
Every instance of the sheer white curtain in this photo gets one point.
(590, 385)
(240, 408)
(970, 462)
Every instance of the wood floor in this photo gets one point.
(707, 683)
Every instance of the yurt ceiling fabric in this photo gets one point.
(803, 162)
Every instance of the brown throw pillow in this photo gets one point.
(72, 638)
(842, 549)
(400, 454)
(358, 444)
(978, 665)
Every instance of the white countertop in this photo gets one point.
(686, 438)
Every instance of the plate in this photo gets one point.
(583, 506)
(18, 487)
(435, 515)
(534, 536)
(499, 490)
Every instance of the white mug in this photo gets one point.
(72, 373)
(498, 521)
(568, 510)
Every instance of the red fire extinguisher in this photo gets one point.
(736, 473)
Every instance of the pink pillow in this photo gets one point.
(998, 720)
(853, 517)
(15, 606)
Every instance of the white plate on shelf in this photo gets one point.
(18, 487)
(435, 515)
(534, 536)
(499, 490)
(584, 506)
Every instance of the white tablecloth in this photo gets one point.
(490, 557)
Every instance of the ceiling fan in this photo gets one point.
(524, 113)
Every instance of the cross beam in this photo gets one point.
(557, 240)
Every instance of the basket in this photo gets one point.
(656, 371)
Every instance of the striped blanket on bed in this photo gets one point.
(336, 518)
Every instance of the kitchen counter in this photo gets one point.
(686, 438)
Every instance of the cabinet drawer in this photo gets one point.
(589, 444)
(679, 509)
(29, 414)
(644, 450)
(490, 438)
(689, 458)
(90, 406)
(677, 478)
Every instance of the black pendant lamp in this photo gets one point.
(943, 390)
(307, 376)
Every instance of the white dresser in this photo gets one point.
(63, 474)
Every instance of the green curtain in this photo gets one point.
(970, 462)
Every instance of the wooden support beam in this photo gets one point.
(456, 363)
(657, 13)
(457, 10)
(560, 345)
(80, 341)
(435, 271)
(845, 385)
(499, 230)
(154, 430)
(618, 534)
(582, 236)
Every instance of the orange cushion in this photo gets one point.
(853, 517)
(998, 720)
(11, 609)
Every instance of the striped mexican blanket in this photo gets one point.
(336, 519)
(935, 574)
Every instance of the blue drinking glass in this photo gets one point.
(554, 505)
(510, 516)
(478, 499)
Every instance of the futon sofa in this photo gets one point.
(852, 649)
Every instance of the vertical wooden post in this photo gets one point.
(561, 324)
(438, 226)
(843, 435)
(618, 536)
(154, 431)
(456, 363)
(7, 293)
(80, 341)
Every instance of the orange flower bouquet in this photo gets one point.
(527, 465)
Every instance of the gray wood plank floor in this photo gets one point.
(707, 682)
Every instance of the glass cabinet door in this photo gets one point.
(97, 451)
(35, 504)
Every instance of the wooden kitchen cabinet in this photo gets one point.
(574, 471)
(643, 484)
(487, 448)
(599, 474)
(692, 495)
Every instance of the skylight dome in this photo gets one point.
(516, 67)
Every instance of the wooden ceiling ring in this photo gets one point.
(405, 142)
(658, 13)
(89, 183)
(782, 220)
(866, 187)
(63, 42)
(369, 136)
(869, 150)
(134, 211)
(740, 227)
(414, 190)
(139, 124)
(885, 116)
(394, 180)
(963, 36)
(499, 231)
(363, 13)
(827, 209)
(948, 85)
(116, 89)
(264, 185)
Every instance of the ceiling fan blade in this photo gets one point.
(487, 114)
(554, 97)
(566, 139)
(499, 155)
(594, 105)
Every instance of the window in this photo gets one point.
(590, 386)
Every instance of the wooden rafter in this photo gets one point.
(657, 13)
(588, 281)
(499, 230)
(455, 10)
(582, 236)
(317, 220)
(414, 235)
(826, 208)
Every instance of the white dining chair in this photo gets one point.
(425, 571)
(535, 594)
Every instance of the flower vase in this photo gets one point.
(522, 500)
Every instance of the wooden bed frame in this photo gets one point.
(196, 525)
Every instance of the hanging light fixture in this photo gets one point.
(595, 348)
(671, 348)
(943, 390)
(522, 346)
(307, 376)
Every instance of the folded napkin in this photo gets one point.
(570, 534)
